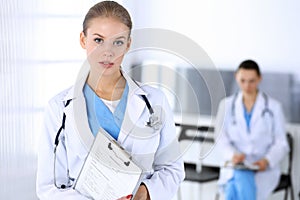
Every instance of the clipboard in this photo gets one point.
(109, 172)
(242, 166)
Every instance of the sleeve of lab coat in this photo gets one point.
(280, 145)
(168, 164)
(45, 187)
(223, 143)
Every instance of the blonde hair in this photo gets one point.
(107, 9)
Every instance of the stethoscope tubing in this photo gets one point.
(264, 111)
(62, 127)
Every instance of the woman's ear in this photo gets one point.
(128, 45)
(82, 40)
(235, 75)
(260, 79)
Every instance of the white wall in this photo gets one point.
(17, 133)
(231, 31)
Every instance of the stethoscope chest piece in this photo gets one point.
(154, 122)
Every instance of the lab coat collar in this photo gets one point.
(134, 109)
(256, 113)
(134, 86)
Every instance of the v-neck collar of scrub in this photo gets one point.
(100, 115)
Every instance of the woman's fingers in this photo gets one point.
(126, 198)
(237, 158)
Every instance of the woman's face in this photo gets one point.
(106, 42)
(248, 80)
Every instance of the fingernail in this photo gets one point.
(129, 196)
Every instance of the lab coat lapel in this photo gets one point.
(239, 112)
(134, 109)
(258, 107)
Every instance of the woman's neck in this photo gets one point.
(107, 87)
(249, 100)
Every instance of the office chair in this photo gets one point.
(207, 173)
(285, 182)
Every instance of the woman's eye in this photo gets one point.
(98, 40)
(118, 43)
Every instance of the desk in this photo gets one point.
(207, 153)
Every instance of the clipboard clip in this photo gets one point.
(109, 146)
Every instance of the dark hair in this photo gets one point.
(249, 65)
(107, 9)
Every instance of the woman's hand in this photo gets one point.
(262, 163)
(142, 193)
(238, 158)
(128, 197)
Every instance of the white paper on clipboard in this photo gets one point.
(108, 172)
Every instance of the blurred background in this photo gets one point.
(40, 55)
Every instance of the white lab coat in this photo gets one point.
(267, 139)
(158, 152)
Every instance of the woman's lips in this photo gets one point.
(106, 64)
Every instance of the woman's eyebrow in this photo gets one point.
(98, 35)
(121, 37)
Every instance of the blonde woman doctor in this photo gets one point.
(251, 130)
(137, 116)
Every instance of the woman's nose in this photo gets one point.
(107, 53)
(105, 50)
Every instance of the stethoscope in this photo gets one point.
(153, 122)
(265, 111)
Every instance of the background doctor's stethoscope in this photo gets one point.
(266, 113)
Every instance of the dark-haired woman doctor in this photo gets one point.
(251, 129)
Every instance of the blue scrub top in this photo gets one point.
(99, 114)
(248, 116)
